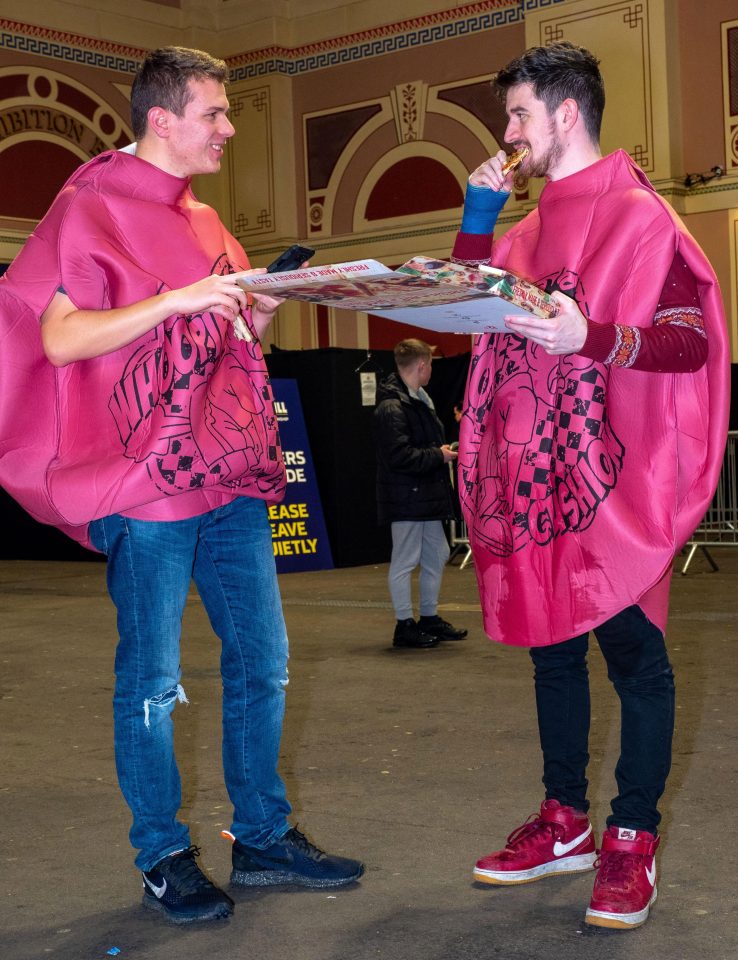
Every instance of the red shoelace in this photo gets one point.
(618, 871)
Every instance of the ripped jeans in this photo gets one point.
(228, 552)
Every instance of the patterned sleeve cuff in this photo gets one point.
(688, 317)
(612, 343)
(626, 348)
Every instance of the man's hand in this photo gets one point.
(214, 294)
(489, 174)
(69, 334)
(448, 453)
(224, 297)
(263, 306)
(564, 333)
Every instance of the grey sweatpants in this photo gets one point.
(417, 542)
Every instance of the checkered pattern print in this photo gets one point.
(562, 433)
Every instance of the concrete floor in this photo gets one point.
(417, 762)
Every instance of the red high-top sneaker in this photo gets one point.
(625, 885)
(558, 840)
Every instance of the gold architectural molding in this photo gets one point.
(730, 93)
(45, 112)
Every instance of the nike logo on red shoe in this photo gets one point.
(561, 849)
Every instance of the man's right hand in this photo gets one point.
(489, 174)
(448, 453)
(69, 334)
(214, 294)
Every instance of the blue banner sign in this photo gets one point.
(298, 529)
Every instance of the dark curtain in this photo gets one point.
(340, 433)
(339, 428)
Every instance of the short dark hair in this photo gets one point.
(408, 351)
(163, 79)
(559, 72)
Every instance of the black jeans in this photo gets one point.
(638, 666)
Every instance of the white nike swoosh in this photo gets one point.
(651, 873)
(159, 891)
(560, 849)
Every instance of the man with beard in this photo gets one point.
(591, 443)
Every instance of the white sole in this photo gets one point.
(578, 864)
(619, 921)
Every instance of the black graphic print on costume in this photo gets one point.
(191, 410)
(540, 462)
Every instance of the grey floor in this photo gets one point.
(417, 762)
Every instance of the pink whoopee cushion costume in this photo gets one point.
(579, 481)
(177, 422)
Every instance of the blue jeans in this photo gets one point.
(638, 667)
(228, 552)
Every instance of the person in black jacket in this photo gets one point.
(414, 494)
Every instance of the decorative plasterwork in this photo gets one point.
(320, 202)
(250, 164)
(463, 20)
(632, 61)
(408, 105)
(444, 156)
(414, 119)
(70, 47)
(730, 94)
(60, 109)
(732, 306)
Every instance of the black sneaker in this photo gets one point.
(292, 860)
(409, 634)
(440, 629)
(178, 888)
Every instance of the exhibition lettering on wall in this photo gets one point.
(298, 528)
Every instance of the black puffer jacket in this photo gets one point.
(413, 482)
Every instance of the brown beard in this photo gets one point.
(541, 166)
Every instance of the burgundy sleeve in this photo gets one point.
(472, 248)
(676, 343)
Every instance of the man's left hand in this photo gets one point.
(266, 305)
(263, 307)
(564, 333)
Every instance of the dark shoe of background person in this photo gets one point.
(294, 859)
(440, 629)
(179, 889)
(409, 634)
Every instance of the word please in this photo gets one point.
(288, 511)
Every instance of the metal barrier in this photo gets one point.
(719, 526)
(459, 543)
(457, 532)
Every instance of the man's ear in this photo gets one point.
(158, 119)
(568, 113)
